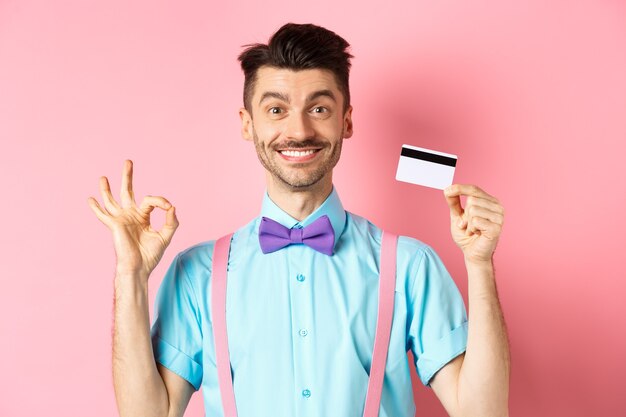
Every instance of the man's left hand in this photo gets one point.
(476, 227)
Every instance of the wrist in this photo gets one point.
(481, 281)
(479, 265)
(131, 281)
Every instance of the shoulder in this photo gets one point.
(414, 249)
(199, 257)
(408, 247)
(414, 257)
(359, 228)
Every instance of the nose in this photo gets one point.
(298, 127)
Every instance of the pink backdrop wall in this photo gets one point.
(530, 95)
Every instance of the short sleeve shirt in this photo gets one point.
(301, 324)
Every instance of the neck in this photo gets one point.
(299, 203)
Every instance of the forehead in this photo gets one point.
(295, 84)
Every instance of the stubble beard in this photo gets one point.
(301, 180)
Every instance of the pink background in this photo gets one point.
(531, 95)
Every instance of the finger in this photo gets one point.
(171, 220)
(468, 190)
(100, 213)
(487, 204)
(484, 227)
(126, 192)
(475, 226)
(454, 203)
(149, 203)
(171, 224)
(462, 221)
(109, 202)
(478, 211)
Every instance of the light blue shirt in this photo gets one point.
(301, 324)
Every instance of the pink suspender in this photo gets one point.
(386, 294)
(218, 311)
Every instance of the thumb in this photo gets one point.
(454, 203)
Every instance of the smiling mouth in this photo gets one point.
(298, 155)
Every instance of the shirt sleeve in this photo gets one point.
(176, 331)
(436, 316)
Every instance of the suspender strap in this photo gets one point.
(386, 293)
(218, 311)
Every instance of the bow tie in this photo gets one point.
(319, 235)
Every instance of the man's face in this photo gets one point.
(297, 123)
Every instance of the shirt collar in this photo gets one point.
(331, 207)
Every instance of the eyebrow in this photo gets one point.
(284, 97)
(322, 93)
(274, 94)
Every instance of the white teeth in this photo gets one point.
(297, 153)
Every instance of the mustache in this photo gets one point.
(300, 144)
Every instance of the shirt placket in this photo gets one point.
(300, 290)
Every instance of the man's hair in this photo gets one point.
(298, 47)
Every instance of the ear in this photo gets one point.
(246, 124)
(347, 123)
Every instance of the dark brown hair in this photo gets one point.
(298, 47)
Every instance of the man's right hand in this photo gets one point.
(138, 247)
(141, 386)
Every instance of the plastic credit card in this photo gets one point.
(426, 167)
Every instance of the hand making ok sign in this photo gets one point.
(138, 247)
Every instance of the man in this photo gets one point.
(301, 321)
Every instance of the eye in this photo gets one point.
(275, 110)
(320, 109)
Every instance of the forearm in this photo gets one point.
(139, 388)
(483, 387)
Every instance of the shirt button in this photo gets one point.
(300, 277)
(303, 332)
(306, 393)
